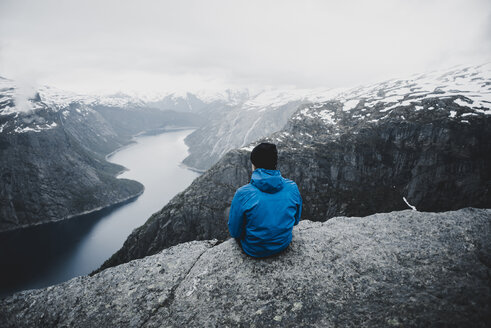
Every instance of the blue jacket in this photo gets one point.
(263, 213)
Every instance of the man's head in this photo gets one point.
(265, 156)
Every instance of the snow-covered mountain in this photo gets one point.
(234, 118)
(250, 116)
(238, 117)
(443, 105)
(230, 118)
(468, 87)
(46, 108)
(423, 143)
(53, 147)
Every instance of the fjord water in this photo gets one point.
(51, 253)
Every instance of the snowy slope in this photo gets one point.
(62, 98)
(47, 107)
(242, 111)
(467, 87)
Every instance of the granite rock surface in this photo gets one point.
(398, 269)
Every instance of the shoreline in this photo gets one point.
(190, 168)
(128, 199)
(146, 133)
(118, 202)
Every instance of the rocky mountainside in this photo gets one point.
(232, 128)
(52, 154)
(234, 118)
(242, 116)
(228, 119)
(408, 269)
(383, 150)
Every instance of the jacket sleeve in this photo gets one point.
(299, 208)
(236, 217)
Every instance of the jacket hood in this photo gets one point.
(269, 181)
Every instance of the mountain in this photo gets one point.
(238, 118)
(53, 149)
(408, 269)
(233, 118)
(259, 114)
(423, 142)
(232, 128)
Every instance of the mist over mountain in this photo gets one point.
(53, 154)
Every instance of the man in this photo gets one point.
(263, 212)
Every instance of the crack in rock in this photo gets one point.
(167, 302)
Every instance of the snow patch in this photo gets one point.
(248, 148)
(327, 116)
(486, 111)
(350, 104)
(3, 126)
(461, 103)
(306, 113)
(392, 99)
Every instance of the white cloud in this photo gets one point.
(129, 45)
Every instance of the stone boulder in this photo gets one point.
(407, 268)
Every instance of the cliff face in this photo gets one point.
(49, 176)
(435, 162)
(232, 118)
(348, 157)
(52, 158)
(240, 118)
(233, 127)
(405, 268)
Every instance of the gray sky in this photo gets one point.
(94, 46)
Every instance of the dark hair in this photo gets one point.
(265, 156)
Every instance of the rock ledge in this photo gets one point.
(395, 269)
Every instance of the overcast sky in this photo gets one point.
(106, 46)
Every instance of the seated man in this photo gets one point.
(263, 212)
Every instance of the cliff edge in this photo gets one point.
(404, 268)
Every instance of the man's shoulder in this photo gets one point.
(246, 189)
(246, 194)
(290, 183)
(291, 187)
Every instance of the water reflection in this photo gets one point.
(52, 253)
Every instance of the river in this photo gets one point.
(51, 253)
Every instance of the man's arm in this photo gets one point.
(299, 208)
(236, 217)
